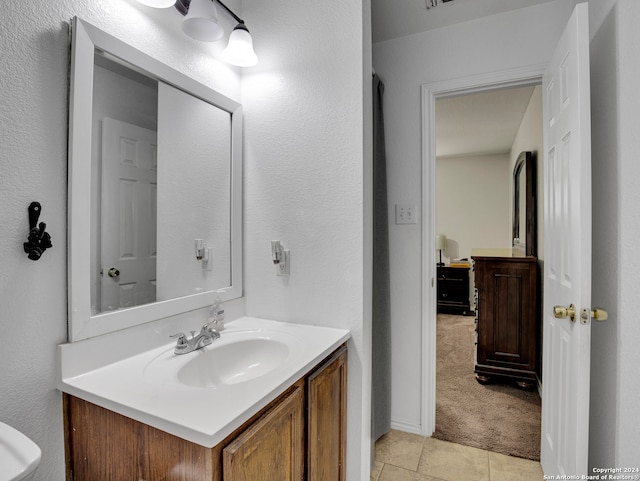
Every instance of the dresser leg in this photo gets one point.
(526, 385)
(482, 379)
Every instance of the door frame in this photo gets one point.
(517, 77)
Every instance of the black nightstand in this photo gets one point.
(453, 290)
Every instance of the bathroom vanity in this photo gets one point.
(145, 417)
(304, 426)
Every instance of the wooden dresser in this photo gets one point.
(507, 318)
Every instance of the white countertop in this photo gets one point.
(203, 415)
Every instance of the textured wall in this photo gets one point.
(304, 178)
(34, 50)
(615, 385)
(628, 383)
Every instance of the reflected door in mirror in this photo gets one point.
(129, 211)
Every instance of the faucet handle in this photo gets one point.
(211, 331)
(182, 338)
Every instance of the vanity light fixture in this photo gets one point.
(199, 13)
(157, 3)
(434, 3)
(201, 21)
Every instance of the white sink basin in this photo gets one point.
(202, 396)
(234, 362)
(19, 456)
(236, 357)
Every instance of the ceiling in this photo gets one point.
(398, 18)
(480, 123)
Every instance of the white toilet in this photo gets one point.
(19, 456)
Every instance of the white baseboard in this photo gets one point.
(406, 427)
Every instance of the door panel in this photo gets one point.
(128, 215)
(567, 266)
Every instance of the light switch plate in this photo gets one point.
(405, 214)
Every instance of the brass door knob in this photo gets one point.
(597, 314)
(561, 312)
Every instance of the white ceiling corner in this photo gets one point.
(476, 124)
(399, 18)
(481, 123)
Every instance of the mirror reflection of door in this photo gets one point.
(128, 215)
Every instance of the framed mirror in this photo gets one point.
(155, 164)
(524, 205)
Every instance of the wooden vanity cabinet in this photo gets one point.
(507, 319)
(303, 429)
(274, 444)
(327, 419)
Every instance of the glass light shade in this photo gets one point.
(158, 3)
(201, 23)
(441, 242)
(239, 51)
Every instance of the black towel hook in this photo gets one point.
(38, 240)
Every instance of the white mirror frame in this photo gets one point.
(86, 39)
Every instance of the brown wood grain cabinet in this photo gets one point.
(327, 419)
(507, 318)
(274, 444)
(302, 430)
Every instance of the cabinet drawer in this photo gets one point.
(453, 294)
(453, 274)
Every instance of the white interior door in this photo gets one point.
(128, 215)
(567, 264)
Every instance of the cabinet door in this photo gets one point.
(272, 448)
(91, 432)
(327, 418)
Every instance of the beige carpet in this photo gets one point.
(498, 417)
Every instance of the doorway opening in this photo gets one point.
(459, 245)
(479, 140)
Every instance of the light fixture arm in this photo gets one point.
(183, 7)
(239, 50)
(238, 19)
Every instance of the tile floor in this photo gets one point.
(402, 456)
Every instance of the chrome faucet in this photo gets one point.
(206, 336)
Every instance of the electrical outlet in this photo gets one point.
(405, 214)
(207, 262)
(282, 268)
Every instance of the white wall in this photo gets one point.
(628, 384)
(34, 61)
(473, 203)
(305, 174)
(194, 150)
(514, 39)
(615, 384)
